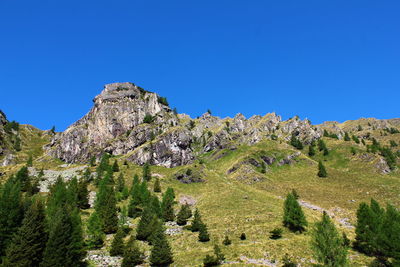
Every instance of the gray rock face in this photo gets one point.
(115, 125)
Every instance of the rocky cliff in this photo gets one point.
(128, 120)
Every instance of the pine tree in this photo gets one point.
(276, 233)
(117, 245)
(120, 183)
(161, 253)
(155, 206)
(146, 224)
(203, 233)
(321, 170)
(83, 194)
(328, 244)
(183, 215)
(103, 166)
(132, 254)
(157, 186)
(77, 248)
(146, 172)
(167, 205)
(62, 248)
(293, 217)
(321, 145)
(115, 167)
(197, 222)
(95, 231)
(106, 206)
(27, 245)
(311, 151)
(23, 177)
(214, 260)
(389, 239)
(11, 211)
(263, 167)
(346, 137)
(243, 236)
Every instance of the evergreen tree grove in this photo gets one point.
(106, 206)
(321, 170)
(161, 253)
(28, 244)
(132, 254)
(95, 232)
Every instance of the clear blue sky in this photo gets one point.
(324, 60)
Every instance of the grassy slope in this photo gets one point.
(229, 206)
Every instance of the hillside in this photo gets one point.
(236, 171)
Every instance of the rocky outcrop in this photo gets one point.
(116, 125)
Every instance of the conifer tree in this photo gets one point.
(346, 137)
(321, 145)
(95, 231)
(184, 214)
(293, 217)
(77, 249)
(103, 166)
(120, 183)
(167, 205)
(214, 260)
(325, 151)
(115, 166)
(62, 248)
(157, 186)
(197, 222)
(11, 211)
(117, 245)
(146, 172)
(155, 206)
(161, 253)
(23, 177)
(146, 224)
(27, 245)
(83, 194)
(328, 244)
(134, 207)
(226, 241)
(203, 233)
(106, 206)
(389, 238)
(311, 151)
(243, 236)
(321, 170)
(132, 254)
(263, 167)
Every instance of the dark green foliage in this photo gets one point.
(353, 151)
(146, 225)
(311, 151)
(148, 118)
(120, 183)
(87, 176)
(157, 186)
(191, 124)
(117, 245)
(295, 142)
(321, 145)
(95, 231)
(11, 211)
(359, 128)
(321, 170)
(346, 137)
(389, 239)
(10, 126)
(167, 205)
(389, 157)
(115, 167)
(60, 198)
(27, 245)
(146, 172)
(226, 241)
(393, 143)
(65, 244)
(132, 254)
(243, 236)
(331, 135)
(161, 253)
(381, 262)
(325, 151)
(276, 233)
(355, 139)
(53, 129)
(83, 194)
(106, 206)
(103, 166)
(163, 101)
(175, 111)
(328, 244)
(155, 206)
(203, 233)
(24, 179)
(184, 214)
(295, 194)
(29, 162)
(197, 222)
(214, 260)
(293, 217)
(391, 130)
(346, 240)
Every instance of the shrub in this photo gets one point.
(276, 233)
